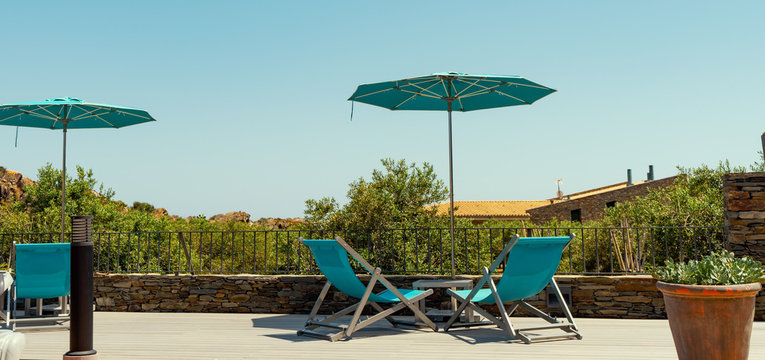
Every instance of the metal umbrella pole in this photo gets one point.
(63, 184)
(451, 175)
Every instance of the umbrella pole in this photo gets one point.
(63, 187)
(451, 191)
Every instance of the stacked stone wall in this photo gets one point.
(745, 213)
(593, 296)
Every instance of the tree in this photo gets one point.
(396, 196)
(43, 200)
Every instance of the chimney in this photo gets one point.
(650, 173)
(629, 177)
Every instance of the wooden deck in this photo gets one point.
(270, 336)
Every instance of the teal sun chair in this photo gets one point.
(531, 264)
(42, 272)
(332, 259)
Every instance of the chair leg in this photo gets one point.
(508, 327)
(492, 319)
(463, 304)
(564, 306)
(12, 306)
(412, 305)
(569, 327)
(362, 303)
(319, 301)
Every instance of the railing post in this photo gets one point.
(81, 327)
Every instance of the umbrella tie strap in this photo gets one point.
(352, 110)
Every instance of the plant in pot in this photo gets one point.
(710, 304)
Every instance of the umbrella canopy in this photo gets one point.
(69, 113)
(451, 92)
(465, 92)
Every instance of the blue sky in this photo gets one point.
(251, 104)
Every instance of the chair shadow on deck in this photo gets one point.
(476, 336)
(280, 323)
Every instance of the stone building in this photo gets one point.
(590, 204)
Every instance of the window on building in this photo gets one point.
(610, 204)
(576, 215)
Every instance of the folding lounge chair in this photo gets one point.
(332, 258)
(42, 272)
(531, 264)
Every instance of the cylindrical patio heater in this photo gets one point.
(81, 327)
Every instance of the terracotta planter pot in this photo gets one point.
(710, 321)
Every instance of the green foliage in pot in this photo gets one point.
(718, 268)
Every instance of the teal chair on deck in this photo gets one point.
(42, 272)
(531, 264)
(332, 259)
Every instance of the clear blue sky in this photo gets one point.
(251, 104)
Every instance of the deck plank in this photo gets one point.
(272, 336)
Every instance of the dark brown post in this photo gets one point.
(81, 327)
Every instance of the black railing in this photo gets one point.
(601, 251)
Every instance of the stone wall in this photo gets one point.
(745, 213)
(592, 206)
(592, 296)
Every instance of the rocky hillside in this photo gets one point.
(12, 185)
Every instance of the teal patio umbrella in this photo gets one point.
(69, 113)
(451, 92)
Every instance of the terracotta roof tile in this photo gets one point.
(490, 208)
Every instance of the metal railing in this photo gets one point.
(597, 251)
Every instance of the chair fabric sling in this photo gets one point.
(531, 264)
(332, 258)
(42, 272)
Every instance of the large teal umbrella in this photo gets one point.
(451, 92)
(69, 113)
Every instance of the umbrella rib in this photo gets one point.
(372, 93)
(44, 108)
(104, 120)
(427, 89)
(500, 83)
(407, 81)
(9, 117)
(86, 114)
(470, 84)
(106, 110)
(131, 114)
(513, 97)
(446, 91)
(482, 89)
(403, 102)
(459, 101)
(419, 93)
(488, 90)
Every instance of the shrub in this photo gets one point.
(718, 268)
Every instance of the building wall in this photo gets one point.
(592, 207)
(745, 213)
(592, 296)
